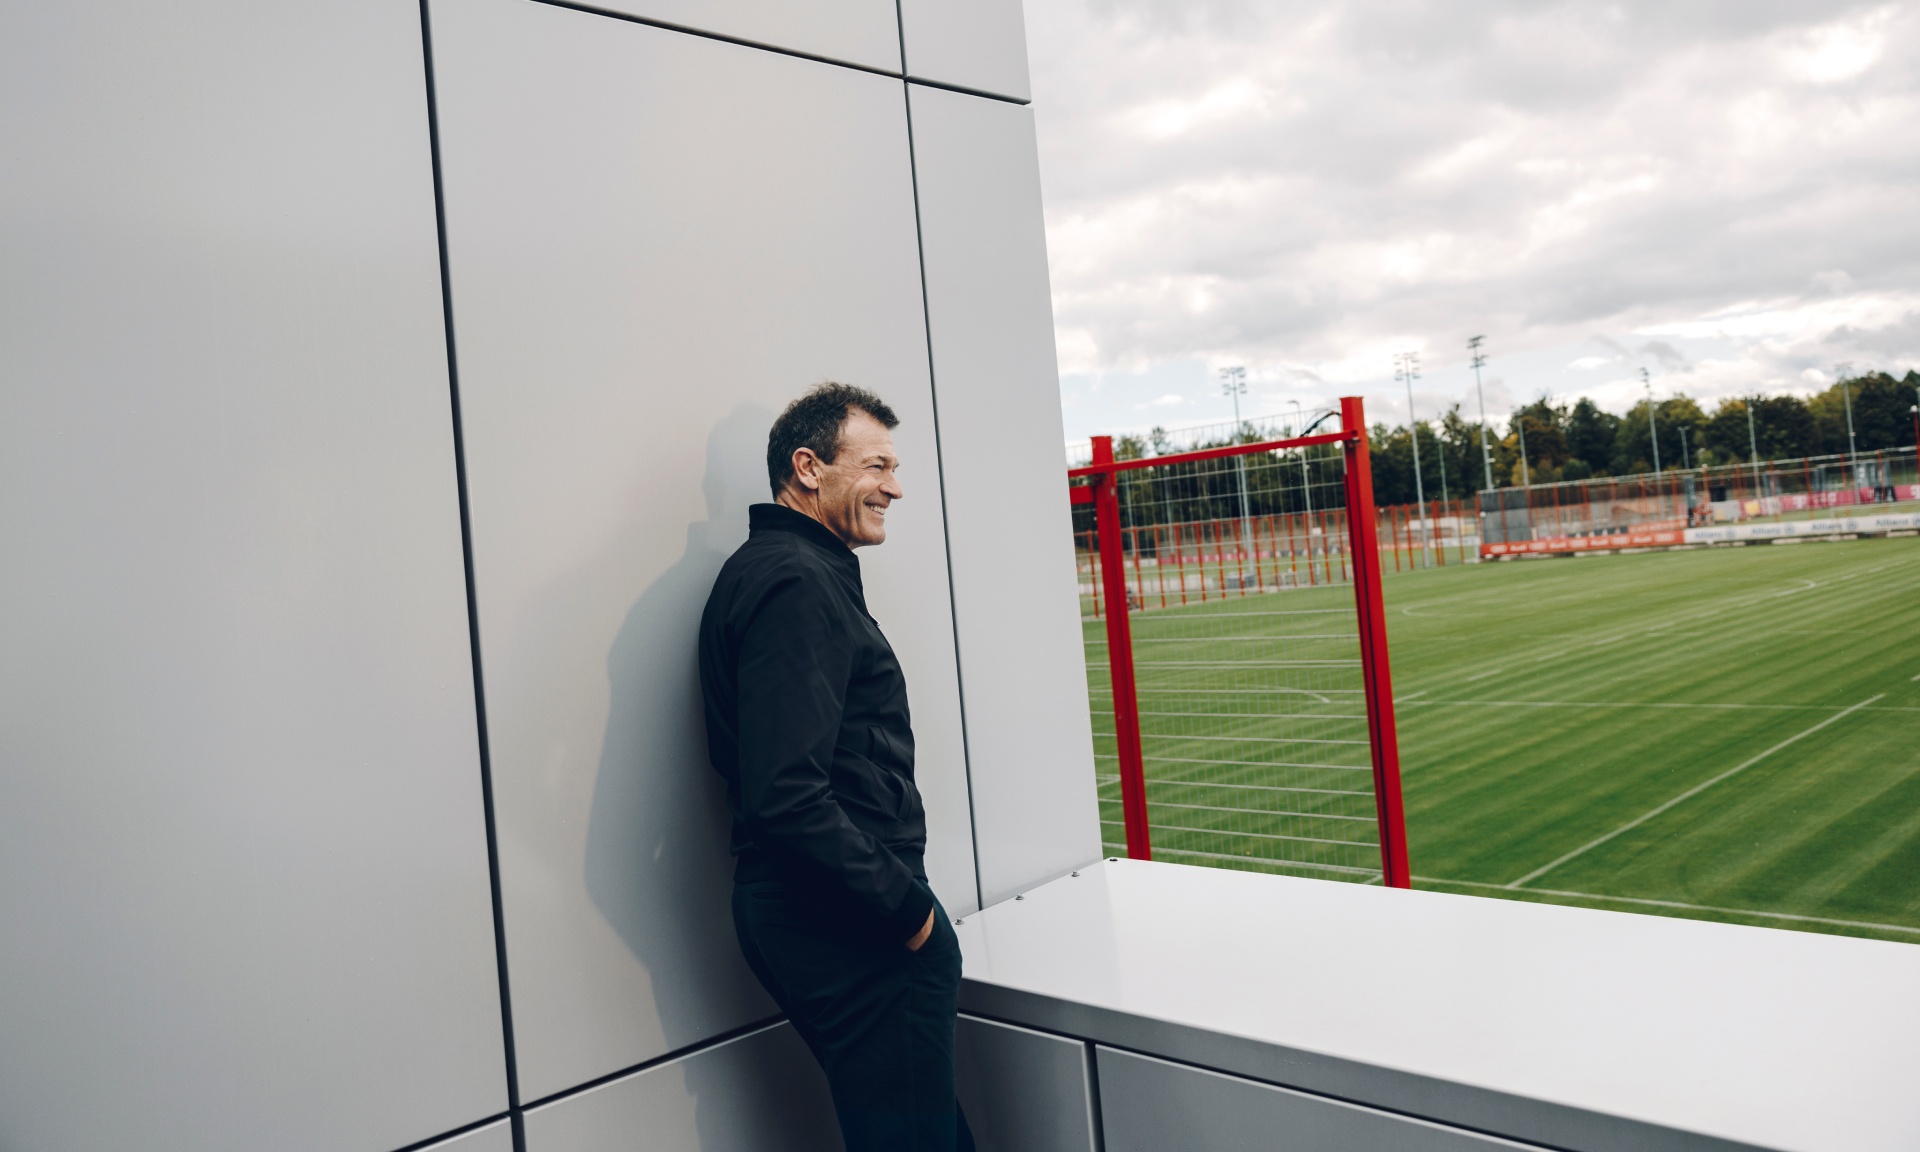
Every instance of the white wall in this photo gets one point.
(656, 241)
(979, 45)
(859, 32)
(760, 1092)
(243, 875)
(244, 852)
(1031, 742)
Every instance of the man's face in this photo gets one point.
(855, 490)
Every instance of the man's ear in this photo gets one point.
(806, 469)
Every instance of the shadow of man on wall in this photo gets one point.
(657, 863)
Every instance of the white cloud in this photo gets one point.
(1791, 322)
(1839, 51)
(1309, 187)
(1241, 96)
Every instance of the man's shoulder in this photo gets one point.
(772, 559)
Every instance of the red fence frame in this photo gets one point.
(1376, 677)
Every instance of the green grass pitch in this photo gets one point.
(1728, 734)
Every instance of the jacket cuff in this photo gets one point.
(911, 916)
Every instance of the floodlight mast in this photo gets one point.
(1406, 366)
(1686, 458)
(1233, 381)
(1520, 425)
(1652, 433)
(1844, 370)
(1479, 361)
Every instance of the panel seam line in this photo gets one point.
(940, 475)
(796, 53)
(682, 1053)
(508, 1052)
(722, 37)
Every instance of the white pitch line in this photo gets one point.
(1692, 792)
(1687, 705)
(1678, 904)
(1484, 675)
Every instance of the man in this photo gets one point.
(807, 722)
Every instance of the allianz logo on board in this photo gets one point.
(1836, 526)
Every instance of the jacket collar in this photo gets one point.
(780, 518)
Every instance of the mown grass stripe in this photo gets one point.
(1692, 792)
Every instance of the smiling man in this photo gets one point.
(807, 722)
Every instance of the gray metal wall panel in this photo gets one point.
(495, 1137)
(242, 860)
(1025, 1091)
(976, 44)
(1150, 1105)
(657, 240)
(863, 32)
(761, 1092)
(1028, 731)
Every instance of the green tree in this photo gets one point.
(1633, 448)
(1785, 427)
(1546, 443)
(1591, 434)
(1392, 451)
(1726, 432)
(1459, 439)
(1782, 428)
(1881, 413)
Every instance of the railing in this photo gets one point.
(1253, 723)
(1678, 499)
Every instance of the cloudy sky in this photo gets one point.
(1727, 194)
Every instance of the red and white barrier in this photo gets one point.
(1871, 525)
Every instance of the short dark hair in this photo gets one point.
(814, 421)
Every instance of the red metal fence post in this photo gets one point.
(1374, 673)
(1126, 703)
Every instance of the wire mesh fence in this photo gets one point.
(1682, 498)
(1247, 669)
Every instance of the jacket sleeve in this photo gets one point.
(794, 667)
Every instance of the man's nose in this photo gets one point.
(891, 486)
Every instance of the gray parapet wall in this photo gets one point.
(1345, 1016)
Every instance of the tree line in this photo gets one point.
(1564, 442)
(1581, 440)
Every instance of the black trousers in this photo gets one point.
(880, 1019)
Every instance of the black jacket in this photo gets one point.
(807, 722)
